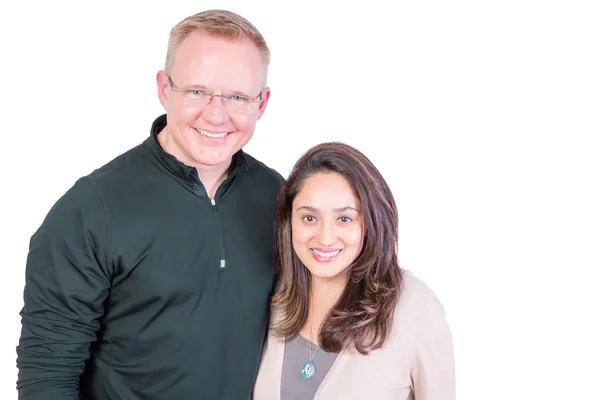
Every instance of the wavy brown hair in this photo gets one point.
(362, 317)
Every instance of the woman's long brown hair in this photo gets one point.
(362, 317)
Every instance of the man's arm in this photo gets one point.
(67, 281)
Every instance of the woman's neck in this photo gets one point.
(324, 294)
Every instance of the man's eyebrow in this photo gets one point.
(196, 87)
(202, 87)
(238, 93)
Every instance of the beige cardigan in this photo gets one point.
(416, 363)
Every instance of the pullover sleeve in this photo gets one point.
(433, 371)
(67, 279)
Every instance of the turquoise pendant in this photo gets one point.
(308, 370)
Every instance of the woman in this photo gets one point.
(347, 322)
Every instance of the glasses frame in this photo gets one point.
(224, 97)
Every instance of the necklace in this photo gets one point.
(308, 369)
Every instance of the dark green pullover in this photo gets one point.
(139, 287)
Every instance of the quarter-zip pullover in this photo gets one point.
(138, 286)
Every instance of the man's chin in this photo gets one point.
(214, 161)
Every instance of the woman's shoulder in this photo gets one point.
(414, 286)
(417, 298)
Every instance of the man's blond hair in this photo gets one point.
(219, 23)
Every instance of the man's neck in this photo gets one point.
(212, 176)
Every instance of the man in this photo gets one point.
(150, 277)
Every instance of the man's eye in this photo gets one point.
(239, 99)
(196, 93)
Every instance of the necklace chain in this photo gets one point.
(310, 354)
(308, 370)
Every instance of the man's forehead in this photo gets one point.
(228, 66)
(201, 45)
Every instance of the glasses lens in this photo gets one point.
(195, 98)
(234, 104)
(238, 105)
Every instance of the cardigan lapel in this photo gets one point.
(332, 375)
(278, 346)
(279, 351)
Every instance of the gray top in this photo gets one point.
(297, 353)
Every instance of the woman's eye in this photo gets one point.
(309, 218)
(345, 219)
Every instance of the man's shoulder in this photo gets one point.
(121, 166)
(92, 186)
(263, 171)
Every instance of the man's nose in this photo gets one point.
(215, 112)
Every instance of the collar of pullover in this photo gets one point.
(175, 167)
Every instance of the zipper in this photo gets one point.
(223, 256)
(222, 261)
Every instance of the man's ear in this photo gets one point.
(263, 104)
(163, 87)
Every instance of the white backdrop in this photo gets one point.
(483, 116)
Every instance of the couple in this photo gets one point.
(153, 277)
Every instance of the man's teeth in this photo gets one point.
(212, 135)
(330, 254)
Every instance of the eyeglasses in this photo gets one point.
(232, 102)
